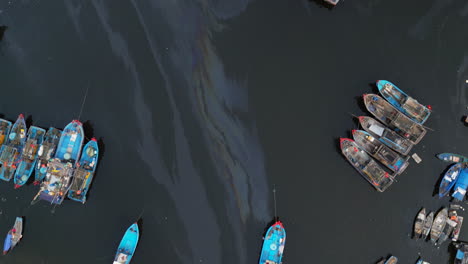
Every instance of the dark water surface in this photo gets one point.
(203, 106)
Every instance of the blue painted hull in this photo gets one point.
(461, 185)
(14, 145)
(29, 156)
(5, 127)
(88, 164)
(55, 186)
(449, 179)
(450, 157)
(127, 246)
(396, 98)
(46, 152)
(273, 244)
(13, 236)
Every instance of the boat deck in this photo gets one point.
(30, 149)
(8, 155)
(80, 178)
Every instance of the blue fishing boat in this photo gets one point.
(380, 151)
(403, 102)
(14, 236)
(365, 165)
(386, 135)
(60, 169)
(394, 119)
(84, 172)
(461, 256)
(46, 152)
(127, 246)
(29, 155)
(273, 244)
(450, 157)
(5, 127)
(10, 152)
(420, 261)
(450, 178)
(461, 185)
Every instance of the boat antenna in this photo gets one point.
(274, 200)
(84, 100)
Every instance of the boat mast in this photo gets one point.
(274, 200)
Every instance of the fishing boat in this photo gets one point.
(380, 152)
(461, 257)
(10, 152)
(419, 223)
(447, 231)
(60, 169)
(438, 225)
(461, 185)
(5, 127)
(392, 260)
(449, 179)
(46, 152)
(427, 225)
(403, 102)
(29, 156)
(456, 231)
(450, 157)
(386, 135)
(127, 246)
(365, 165)
(84, 173)
(273, 244)
(394, 119)
(14, 236)
(332, 2)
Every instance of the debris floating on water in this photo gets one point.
(416, 158)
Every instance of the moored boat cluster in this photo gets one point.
(379, 151)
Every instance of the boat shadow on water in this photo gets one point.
(88, 129)
(452, 251)
(2, 34)
(29, 121)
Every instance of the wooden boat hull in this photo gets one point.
(403, 102)
(449, 179)
(439, 224)
(456, 231)
(386, 135)
(380, 151)
(11, 150)
(273, 244)
(14, 236)
(427, 225)
(392, 260)
(29, 156)
(419, 223)
(365, 165)
(394, 119)
(450, 157)
(46, 152)
(88, 162)
(127, 245)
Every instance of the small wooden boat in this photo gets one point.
(127, 246)
(332, 2)
(450, 157)
(461, 185)
(447, 231)
(379, 151)
(29, 156)
(46, 152)
(273, 244)
(403, 102)
(60, 169)
(14, 236)
(84, 173)
(393, 118)
(438, 225)
(449, 179)
(5, 127)
(419, 223)
(392, 260)
(427, 225)
(386, 135)
(365, 165)
(10, 152)
(456, 231)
